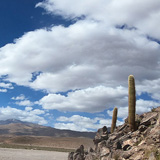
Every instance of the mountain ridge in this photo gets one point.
(17, 127)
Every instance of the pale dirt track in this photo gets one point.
(22, 154)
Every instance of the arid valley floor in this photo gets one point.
(39, 148)
(23, 154)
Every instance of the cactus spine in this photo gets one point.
(131, 102)
(114, 119)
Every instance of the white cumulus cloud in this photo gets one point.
(20, 97)
(3, 90)
(21, 100)
(23, 115)
(141, 107)
(5, 86)
(140, 14)
(81, 123)
(88, 100)
(108, 41)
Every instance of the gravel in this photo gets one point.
(22, 154)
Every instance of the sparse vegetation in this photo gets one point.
(29, 147)
(153, 109)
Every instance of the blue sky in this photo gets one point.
(66, 64)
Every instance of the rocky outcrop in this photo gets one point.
(122, 144)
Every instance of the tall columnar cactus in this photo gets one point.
(114, 119)
(131, 102)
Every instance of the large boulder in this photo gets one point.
(149, 119)
(102, 134)
(79, 154)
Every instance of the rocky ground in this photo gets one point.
(122, 144)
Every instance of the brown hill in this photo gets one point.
(16, 127)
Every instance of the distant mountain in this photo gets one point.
(17, 127)
(8, 121)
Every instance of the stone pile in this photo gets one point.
(122, 144)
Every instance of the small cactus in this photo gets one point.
(114, 119)
(131, 102)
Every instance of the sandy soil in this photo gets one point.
(22, 154)
(55, 142)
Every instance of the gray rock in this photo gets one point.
(149, 118)
(70, 156)
(78, 154)
(117, 145)
(142, 128)
(104, 151)
(152, 156)
(102, 134)
(90, 156)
